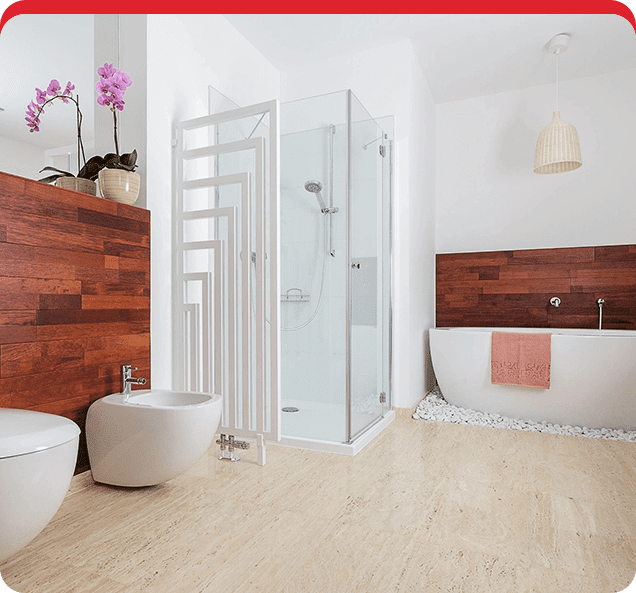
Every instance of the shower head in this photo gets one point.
(315, 187)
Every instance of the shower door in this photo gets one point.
(369, 271)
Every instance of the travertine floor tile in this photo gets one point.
(426, 507)
(349, 558)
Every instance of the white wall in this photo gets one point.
(421, 215)
(105, 50)
(132, 121)
(302, 259)
(389, 81)
(186, 54)
(488, 198)
(21, 158)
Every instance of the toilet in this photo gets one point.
(38, 453)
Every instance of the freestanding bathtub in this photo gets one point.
(593, 377)
(152, 437)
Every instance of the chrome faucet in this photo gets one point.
(555, 301)
(128, 380)
(600, 303)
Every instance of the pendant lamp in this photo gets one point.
(558, 147)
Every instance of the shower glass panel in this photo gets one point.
(367, 374)
(313, 149)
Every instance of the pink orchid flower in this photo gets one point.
(53, 88)
(106, 71)
(40, 96)
(110, 91)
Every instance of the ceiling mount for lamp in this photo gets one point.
(559, 44)
(558, 148)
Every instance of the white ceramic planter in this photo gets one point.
(119, 185)
(86, 186)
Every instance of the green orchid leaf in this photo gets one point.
(61, 173)
(129, 159)
(92, 168)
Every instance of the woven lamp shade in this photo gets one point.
(558, 148)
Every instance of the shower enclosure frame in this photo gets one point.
(348, 374)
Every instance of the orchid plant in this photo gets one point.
(111, 88)
(34, 111)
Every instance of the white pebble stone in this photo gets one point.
(435, 407)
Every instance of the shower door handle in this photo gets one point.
(355, 265)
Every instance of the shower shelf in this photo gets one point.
(295, 297)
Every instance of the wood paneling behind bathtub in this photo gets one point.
(74, 298)
(514, 288)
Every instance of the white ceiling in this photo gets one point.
(462, 55)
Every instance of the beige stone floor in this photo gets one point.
(426, 507)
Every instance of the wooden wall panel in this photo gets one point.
(514, 288)
(74, 298)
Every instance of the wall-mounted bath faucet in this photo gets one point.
(600, 302)
(128, 380)
(555, 301)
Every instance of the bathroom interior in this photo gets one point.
(324, 200)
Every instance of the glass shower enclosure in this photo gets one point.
(335, 264)
(335, 254)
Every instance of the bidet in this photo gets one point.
(150, 436)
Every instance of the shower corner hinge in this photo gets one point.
(382, 150)
(383, 397)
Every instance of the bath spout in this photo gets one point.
(600, 302)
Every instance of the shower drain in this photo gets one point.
(290, 409)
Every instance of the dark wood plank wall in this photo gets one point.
(74, 298)
(514, 288)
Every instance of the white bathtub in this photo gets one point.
(593, 377)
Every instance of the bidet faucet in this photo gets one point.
(128, 380)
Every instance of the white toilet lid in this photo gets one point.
(26, 431)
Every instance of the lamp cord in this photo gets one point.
(557, 80)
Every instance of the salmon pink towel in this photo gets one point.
(521, 359)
